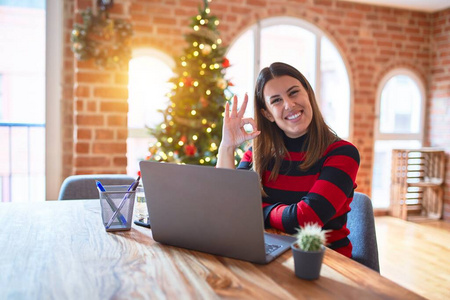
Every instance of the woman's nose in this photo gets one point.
(288, 103)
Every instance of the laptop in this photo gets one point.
(212, 210)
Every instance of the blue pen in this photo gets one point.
(132, 188)
(121, 218)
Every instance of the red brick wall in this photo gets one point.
(372, 39)
(439, 93)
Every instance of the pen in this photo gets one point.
(132, 188)
(120, 217)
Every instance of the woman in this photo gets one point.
(307, 172)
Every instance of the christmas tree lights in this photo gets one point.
(192, 126)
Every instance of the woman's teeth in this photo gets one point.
(291, 117)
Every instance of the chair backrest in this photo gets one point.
(361, 223)
(84, 187)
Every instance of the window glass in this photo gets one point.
(334, 89)
(292, 45)
(400, 106)
(241, 70)
(148, 85)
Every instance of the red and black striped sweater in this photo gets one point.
(320, 195)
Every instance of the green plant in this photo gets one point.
(310, 237)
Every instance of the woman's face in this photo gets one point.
(287, 105)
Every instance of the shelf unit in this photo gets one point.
(417, 183)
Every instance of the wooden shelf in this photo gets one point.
(417, 183)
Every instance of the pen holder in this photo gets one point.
(117, 207)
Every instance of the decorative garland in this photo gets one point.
(103, 39)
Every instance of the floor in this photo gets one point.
(415, 255)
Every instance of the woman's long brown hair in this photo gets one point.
(269, 144)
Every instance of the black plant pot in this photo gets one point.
(307, 264)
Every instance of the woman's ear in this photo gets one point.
(267, 115)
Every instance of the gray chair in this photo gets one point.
(84, 187)
(361, 223)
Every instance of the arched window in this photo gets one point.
(148, 84)
(305, 47)
(399, 124)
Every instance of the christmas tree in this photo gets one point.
(192, 127)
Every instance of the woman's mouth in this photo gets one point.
(294, 116)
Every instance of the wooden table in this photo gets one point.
(60, 250)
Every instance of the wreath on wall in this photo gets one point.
(101, 38)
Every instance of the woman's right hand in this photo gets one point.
(233, 132)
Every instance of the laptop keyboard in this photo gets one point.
(271, 247)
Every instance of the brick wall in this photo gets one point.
(439, 93)
(372, 39)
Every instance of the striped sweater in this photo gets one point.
(321, 194)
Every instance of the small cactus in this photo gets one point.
(310, 237)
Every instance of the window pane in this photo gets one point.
(381, 180)
(147, 87)
(400, 106)
(290, 44)
(334, 89)
(240, 73)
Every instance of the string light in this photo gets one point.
(195, 44)
(204, 121)
(180, 143)
(184, 64)
(163, 126)
(202, 161)
(219, 41)
(196, 28)
(193, 112)
(170, 140)
(195, 53)
(171, 154)
(201, 46)
(208, 130)
(214, 46)
(207, 159)
(216, 22)
(158, 144)
(181, 84)
(208, 92)
(195, 83)
(194, 137)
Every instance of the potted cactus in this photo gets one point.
(308, 251)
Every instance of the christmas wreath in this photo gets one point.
(101, 38)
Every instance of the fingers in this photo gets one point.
(234, 107)
(227, 111)
(243, 107)
(248, 121)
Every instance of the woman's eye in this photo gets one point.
(293, 93)
(275, 100)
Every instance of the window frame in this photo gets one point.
(292, 21)
(400, 136)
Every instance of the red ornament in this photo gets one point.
(188, 81)
(183, 139)
(139, 173)
(230, 83)
(190, 150)
(204, 102)
(225, 62)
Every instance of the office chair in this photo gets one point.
(361, 223)
(84, 187)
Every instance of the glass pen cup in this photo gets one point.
(117, 206)
(140, 210)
